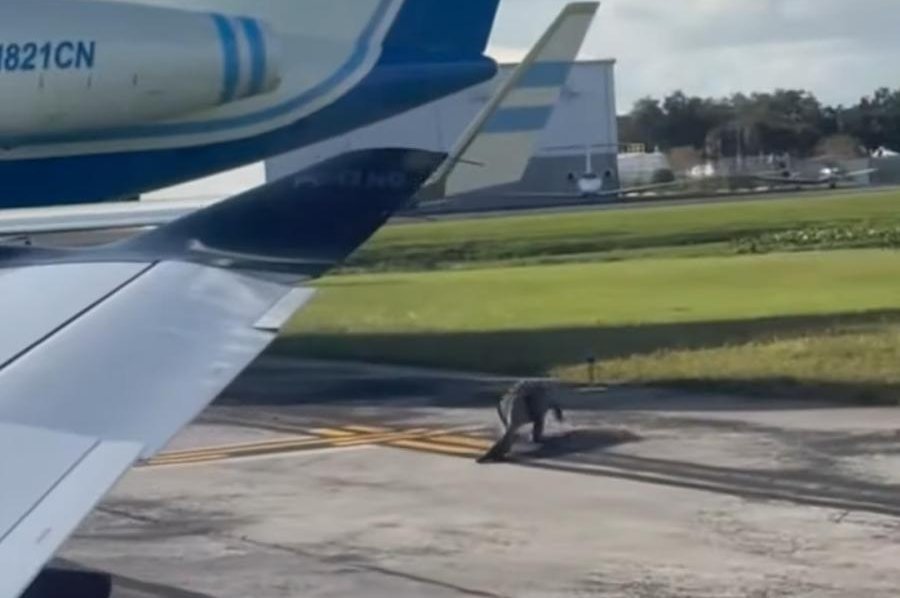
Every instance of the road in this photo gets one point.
(316, 479)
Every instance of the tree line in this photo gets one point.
(786, 121)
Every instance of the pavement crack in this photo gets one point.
(358, 566)
(880, 500)
(462, 590)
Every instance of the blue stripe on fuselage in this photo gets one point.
(257, 44)
(157, 130)
(422, 31)
(230, 58)
(388, 90)
(392, 87)
(516, 120)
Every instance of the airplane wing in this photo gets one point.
(812, 182)
(92, 217)
(107, 352)
(635, 189)
(599, 194)
(496, 147)
(859, 173)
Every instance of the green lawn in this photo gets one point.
(856, 361)
(619, 234)
(647, 320)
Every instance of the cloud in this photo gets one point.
(840, 50)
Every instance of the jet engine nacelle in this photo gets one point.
(74, 66)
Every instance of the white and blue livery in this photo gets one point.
(104, 100)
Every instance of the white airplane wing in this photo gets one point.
(617, 192)
(858, 173)
(635, 189)
(105, 377)
(92, 217)
(107, 352)
(796, 180)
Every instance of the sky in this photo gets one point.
(839, 49)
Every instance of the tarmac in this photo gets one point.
(319, 479)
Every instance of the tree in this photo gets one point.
(840, 147)
(648, 122)
(789, 121)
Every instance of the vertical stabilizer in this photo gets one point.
(499, 143)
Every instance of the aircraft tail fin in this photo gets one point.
(499, 143)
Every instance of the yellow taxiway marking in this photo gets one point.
(261, 445)
(467, 441)
(187, 460)
(369, 429)
(434, 447)
(256, 449)
(447, 441)
(378, 438)
(334, 432)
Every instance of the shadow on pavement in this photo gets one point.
(577, 441)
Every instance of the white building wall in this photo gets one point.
(585, 116)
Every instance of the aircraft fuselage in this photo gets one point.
(105, 100)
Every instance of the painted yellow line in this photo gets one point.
(244, 449)
(411, 434)
(274, 426)
(283, 447)
(353, 431)
(187, 460)
(237, 446)
(332, 432)
(380, 438)
(266, 445)
(468, 441)
(367, 429)
(238, 451)
(460, 431)
(447, 441)
(433, 447)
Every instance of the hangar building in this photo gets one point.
(585, 117)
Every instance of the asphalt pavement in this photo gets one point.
(319, 479)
